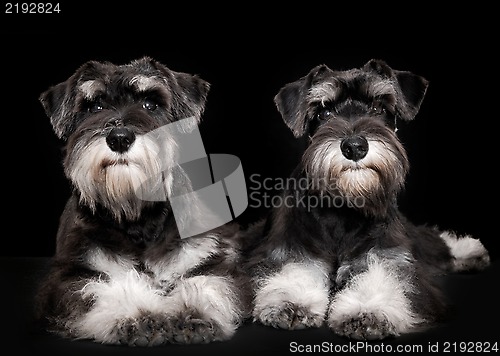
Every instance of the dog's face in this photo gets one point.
(104, 112)
(350, 117)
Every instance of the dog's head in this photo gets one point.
(104, 112)
(350, 117)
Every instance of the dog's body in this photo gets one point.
(344, 253)
(121, 273)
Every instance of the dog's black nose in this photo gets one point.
(120, 139)
(354, 148)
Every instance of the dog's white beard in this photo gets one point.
(353, 180)
(118, 180)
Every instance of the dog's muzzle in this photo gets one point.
(354, 148)
(119, 139)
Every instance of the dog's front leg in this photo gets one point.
(376, 299)
(202, 309)
(199, 309)
(296, 297)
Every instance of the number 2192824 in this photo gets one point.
(32, 8)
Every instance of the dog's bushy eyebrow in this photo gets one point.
(381, 88)
(91, 89)
(151, 86)
(334, 88)
(323, 92)
(145, 83)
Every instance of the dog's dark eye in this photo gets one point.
(377, 108)
(95, 107)
(324, 114)
(150, 104)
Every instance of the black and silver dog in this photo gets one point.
(343, 253)
(122, 274)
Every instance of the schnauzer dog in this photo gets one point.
(122, 274)
(344, 254)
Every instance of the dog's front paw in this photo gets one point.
(192, 328)
(365, 326)
(147, 330)
(288, 316)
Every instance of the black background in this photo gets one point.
(247, 54)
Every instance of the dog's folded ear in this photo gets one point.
(411, 87)
(291, 100)
(60, 100)
(189, 92)
(56, 102)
